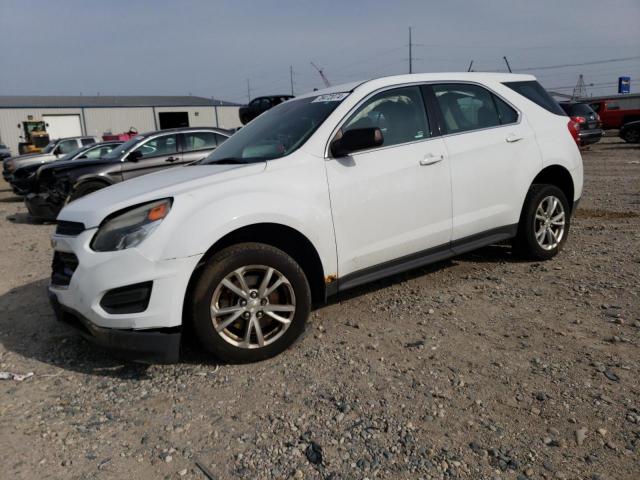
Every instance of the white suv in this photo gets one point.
(320, 194)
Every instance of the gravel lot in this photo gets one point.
(480, 367)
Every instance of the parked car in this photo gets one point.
(630, 132)
(589, 125)
(616, 111)
(62, 182)
(23, 178)
(260, 105)
(4, 151)
(318, 195)
(53, 151)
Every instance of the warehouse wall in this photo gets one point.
(118, 120)
(229, 117)
(11, 134)
(97, 121)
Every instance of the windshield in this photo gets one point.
(49, 148)
(118, 151)
(277, 132)
(73, 153)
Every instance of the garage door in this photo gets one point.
(60, 126)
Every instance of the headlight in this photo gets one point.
(11, 164)
(128, 228)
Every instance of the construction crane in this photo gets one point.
(324, 79)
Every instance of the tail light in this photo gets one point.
(574, 129)
(579, 120)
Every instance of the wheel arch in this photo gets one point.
(280, 236)
(560, 177)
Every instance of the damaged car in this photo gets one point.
(61, 183)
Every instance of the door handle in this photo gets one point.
(431, 159)
(171, 159)
(513, 139)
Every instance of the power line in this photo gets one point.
(595, 62)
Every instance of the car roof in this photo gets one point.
(424, 77)
(182, 129)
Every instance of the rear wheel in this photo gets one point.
(250, 303)
(85, 189)
(544, 223)
(632, 135)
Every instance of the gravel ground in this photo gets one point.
(479, 367)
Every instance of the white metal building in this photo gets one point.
(66, 116)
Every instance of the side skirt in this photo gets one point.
(425, 257)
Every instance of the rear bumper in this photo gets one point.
(40, 207)
(588, 137)
(147, 346)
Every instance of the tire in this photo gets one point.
(211, 294)
(85, 189)
(536, 205)
(632, 136)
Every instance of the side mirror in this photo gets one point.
(134, 156)
(81, 157)
(354, 140)
(56, 152)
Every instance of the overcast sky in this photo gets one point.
(210, 48)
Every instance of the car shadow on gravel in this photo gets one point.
(29, 328)
(12, 199)
(490, 254)
(25, 219)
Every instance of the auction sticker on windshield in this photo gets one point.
(331, 97)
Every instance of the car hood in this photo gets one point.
(68, 164)
(173, 182)
(23, 160)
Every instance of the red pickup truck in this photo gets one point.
(616, 110)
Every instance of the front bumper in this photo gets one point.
(141, 346)
(40, 206)
(21, 186)
(97, 273)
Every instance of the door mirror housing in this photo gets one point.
(354, 140)
(134, 156)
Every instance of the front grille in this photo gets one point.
(62, 268)
(70, 229)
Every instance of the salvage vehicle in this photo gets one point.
(588, 122)
(259, 105)
(630, 132)
(617, 110)
(52, 151)
(64, 182)
(320, 194)
(23, 178)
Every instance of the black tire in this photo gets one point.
(217, 268)
(85, 189)
(525, 244)
(632, 135)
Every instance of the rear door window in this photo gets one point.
(194, 141)
(533, 91)
(88, 141)
(466, 107)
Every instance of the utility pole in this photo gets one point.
(507, 62)
(470, 65)
(291, 77)
(248, 91)
(410, 53)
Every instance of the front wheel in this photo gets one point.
(84, 189)
(544, 223)
(632, 135)
(250, 302)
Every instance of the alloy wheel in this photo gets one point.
(549, 222)
(253, 306)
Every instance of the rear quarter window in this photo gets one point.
(533, 91)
